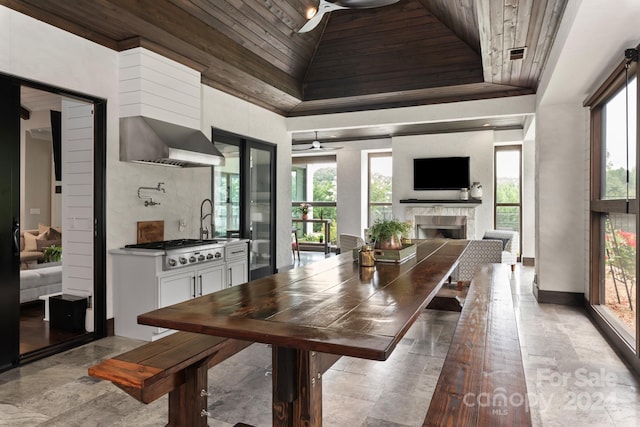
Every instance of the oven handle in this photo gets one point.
(193, 288)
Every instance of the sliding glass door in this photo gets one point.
(614, 207)
(9, 223)
(244, 197)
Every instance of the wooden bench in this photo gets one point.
(176, 364)
(482, 381)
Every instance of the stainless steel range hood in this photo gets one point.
(153, 141)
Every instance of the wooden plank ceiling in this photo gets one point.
(413, 52)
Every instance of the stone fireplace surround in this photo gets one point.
(414, 214)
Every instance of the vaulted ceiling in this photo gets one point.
(413, 52)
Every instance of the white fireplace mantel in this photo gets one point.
(440, 209)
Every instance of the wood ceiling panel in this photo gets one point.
(508, 24)
(409, 53)
(367, 52)
(268, 32)
(460, 16)
(438, 95)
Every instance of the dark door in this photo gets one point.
(244, 197)
(261, 193)
(9, 226)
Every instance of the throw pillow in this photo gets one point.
(505, 241)
(42, 228)
(30, 244)
(43, 244)
(53, 234)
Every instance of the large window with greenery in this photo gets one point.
(508, 188)
(314, 190)
(613, 291)
(380, 180)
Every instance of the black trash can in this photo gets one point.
(67, 312)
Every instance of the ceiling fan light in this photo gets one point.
(311, 12)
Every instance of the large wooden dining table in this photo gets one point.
(315, 314)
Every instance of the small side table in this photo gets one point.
(68, 312)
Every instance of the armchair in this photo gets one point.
(510, 245)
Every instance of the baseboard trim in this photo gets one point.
(111, 327)
(558, 297)
(528, 262)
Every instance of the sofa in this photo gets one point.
(38, 281)
(34, 242)
(510, 245)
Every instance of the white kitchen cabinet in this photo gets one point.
(237, 272)
(189, 284)
(210, 279)
(142, 284)
(175, 289)
(237, 257)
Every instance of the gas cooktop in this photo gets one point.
(172, 244)
(183, 252)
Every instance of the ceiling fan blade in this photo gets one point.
(301, 149)
(323, 7)
(364, 4)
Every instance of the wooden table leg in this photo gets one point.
(187, 402)
(297, 388)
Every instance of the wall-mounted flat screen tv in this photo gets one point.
(441, 173)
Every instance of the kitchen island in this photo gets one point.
(315, 314)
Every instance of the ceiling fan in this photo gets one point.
(316, 146)
(314, 16)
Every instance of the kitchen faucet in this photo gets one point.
(204, 232)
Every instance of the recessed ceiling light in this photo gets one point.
(311, 12)
(486, 124)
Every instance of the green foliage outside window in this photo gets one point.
(616, 183)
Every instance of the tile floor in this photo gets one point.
(573, 376)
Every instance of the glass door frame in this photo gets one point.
(11, 318)
(245, 146)
(600, 206)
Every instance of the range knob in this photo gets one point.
(192, 258)
(218, 255)
(172, 262)
(201, 258)
(183, 260)
(209, 256)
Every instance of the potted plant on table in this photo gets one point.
(388, 233)
(304, 209)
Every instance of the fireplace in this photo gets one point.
(440, 226)
(418, 215)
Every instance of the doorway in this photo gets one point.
(244, 197)
(53, 141)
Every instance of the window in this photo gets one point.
(226, 193)
(508, 188)
(613, 291)
(380, 186)
(314, 182)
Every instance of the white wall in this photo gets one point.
(561, 205)
(580, 60)
(35, 188)
(76, 64)
(352, 175)
(528, 241)
(477, 145)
